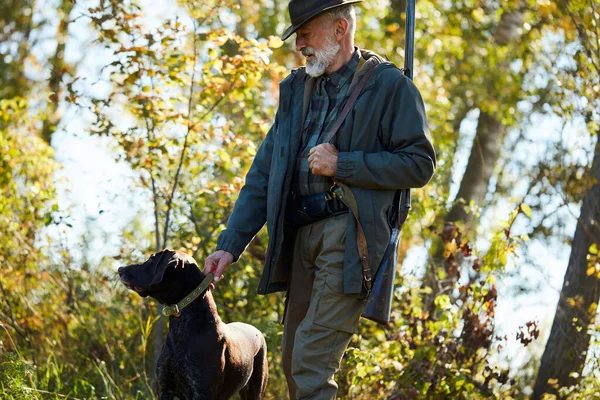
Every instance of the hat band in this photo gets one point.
(302, 18)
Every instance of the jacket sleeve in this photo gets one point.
(410, 162)
(250, 210)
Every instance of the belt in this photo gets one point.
(305, 210)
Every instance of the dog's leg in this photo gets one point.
(256, 386)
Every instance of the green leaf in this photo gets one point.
(502, 258)
(526, 210)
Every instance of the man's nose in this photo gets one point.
(300, 44)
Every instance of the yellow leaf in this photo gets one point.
(392, 28)
(526, 210)
(502, 258)
(572, 303)
(450, 249)
(503, 224)
(478, 14)
(275, 42)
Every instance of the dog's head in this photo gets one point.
(167, 276)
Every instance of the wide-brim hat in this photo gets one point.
(302, 11)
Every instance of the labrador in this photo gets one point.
(202, 358)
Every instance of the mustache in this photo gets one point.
(308, 51)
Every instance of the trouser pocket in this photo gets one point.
(337, 310)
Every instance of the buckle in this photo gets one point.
(333, 188)
(177, 312)
(336, 191)
(168, 311)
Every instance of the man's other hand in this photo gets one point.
(217, 263)
(322, 160)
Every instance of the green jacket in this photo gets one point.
(383, 146)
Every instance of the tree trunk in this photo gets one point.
(487, 143)
(485, 152)
(567, 345)
(58, 69)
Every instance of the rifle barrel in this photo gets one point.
(379, 305)
(409, 42)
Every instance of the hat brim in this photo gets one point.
(292, 29)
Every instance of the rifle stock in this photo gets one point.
(379, 305)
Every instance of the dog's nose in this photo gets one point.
(120, 270)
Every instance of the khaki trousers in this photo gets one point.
(320, 319)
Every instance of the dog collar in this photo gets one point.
(175, 309)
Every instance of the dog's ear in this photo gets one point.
(166, 259)
(160, 262)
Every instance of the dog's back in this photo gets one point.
(247, 358)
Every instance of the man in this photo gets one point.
(381, 146)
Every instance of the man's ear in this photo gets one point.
(341, 28)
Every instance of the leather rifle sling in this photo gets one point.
(347, 196)
(348, 106)
(344, 193)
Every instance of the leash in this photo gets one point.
(175, 309)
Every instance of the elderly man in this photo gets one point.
(381, 146)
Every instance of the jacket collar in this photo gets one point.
(368, 60)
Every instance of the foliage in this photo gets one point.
(446, 353)
(188, 102)
(194, 95)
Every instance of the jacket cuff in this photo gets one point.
(229, 245)
(345, 166)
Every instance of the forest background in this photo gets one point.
(127, 127)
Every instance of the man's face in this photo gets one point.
(317, 42)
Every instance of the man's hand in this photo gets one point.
(322, 160)
(217, 263)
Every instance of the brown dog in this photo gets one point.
(203, 358)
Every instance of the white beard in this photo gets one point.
(317, 65)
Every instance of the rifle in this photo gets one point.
(379, 305)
